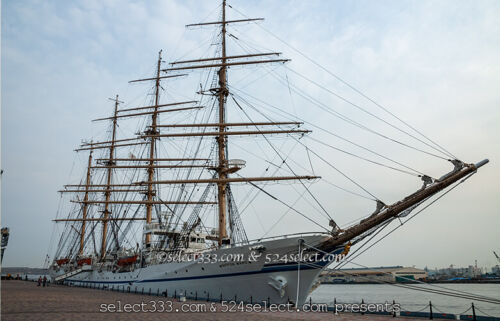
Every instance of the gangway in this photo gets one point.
(73, 273)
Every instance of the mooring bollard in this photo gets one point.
(175, 294)
(362, 303)
(430, 315)
(251, 300)
(196, 295)
(473, 312)
(393, 310)
(208, 296)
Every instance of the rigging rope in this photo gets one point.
(283, 160)
(328, 163)
(355, 123)
(447, 292)
(327, 131)
(443, 150)
(351, 121)
(290, 207)
(365, 111)
(363, 158)
(477, 297)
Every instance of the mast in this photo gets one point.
(221, 139)
(85, 205)
(107, 194)
(223, 168)
(151, 167)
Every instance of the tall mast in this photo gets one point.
(151, 167)
(221, 139)
(111, 162)
(223, 169)
(85, 204)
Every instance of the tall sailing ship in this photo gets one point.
(139, 221)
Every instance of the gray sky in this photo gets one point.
(432, 63)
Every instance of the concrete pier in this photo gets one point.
(24, 300)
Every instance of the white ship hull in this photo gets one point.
(248, 281)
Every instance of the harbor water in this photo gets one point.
(411, 300)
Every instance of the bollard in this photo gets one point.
(251, 300)
(268, 301)
(166, 293)
(208, 296)
(310, 302)
(196, 295)
(175, 294)
(221, 297)
(473, 312)
(235, 298)
(362, 303)
(430, 315)
(393, 310)
(334, 305)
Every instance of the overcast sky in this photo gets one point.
(432, 63)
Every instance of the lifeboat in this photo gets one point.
(127, 260)
(62, 261)
(84, 261)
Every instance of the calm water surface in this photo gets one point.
(411, 300)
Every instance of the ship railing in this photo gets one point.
(286, 236)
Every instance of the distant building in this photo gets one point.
(496, 270)
(382, 274)
(470, 272)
